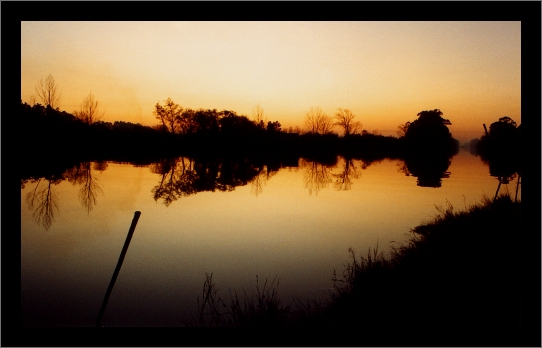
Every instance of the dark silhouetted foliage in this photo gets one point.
(430, 134)
(500, 148)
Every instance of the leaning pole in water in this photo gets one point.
(117, 269)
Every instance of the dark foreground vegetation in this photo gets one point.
(460, 270)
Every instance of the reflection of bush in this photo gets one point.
(429, 169)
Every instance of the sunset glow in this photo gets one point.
(384, 72)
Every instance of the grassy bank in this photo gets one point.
(461, 269)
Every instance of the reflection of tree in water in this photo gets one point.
(430, 170)
(44, 201)
(177, 176)
(257, 183)
(317, 176)
(183, 176)
(260, 179)
(505, 169)
(343, 181)
(82, 174)
(233, 173)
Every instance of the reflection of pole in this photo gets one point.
(498, 187)
(517, 188)
(117, 270)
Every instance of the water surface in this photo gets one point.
(295, 223)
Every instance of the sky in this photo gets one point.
(384, 72)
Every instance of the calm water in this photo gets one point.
(296, 223)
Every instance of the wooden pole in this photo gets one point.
(117, 269)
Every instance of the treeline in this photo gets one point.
(218, 133)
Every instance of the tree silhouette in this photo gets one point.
(258, 116)
(345, 119)
(501, 146)
(169, 115)
(273, 126)
(503, 131)
(89, 112)
(429, 133)
(317, 122)
(47, 91)
(206, 122)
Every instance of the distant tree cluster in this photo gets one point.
(60, 134)
(500, 147)
(49, 95)
(177, 120)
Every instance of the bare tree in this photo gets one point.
(317, 122)
(90, 110)
(47, 91)
(345, 119)
(258, 115)
(169, 115)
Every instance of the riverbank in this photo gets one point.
(460, 270)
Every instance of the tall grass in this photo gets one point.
(260, 308)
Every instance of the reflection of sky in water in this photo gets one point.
(285, 229)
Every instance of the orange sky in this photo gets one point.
(385, 72)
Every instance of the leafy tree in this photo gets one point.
(187, 122)
(345, 119)
(48, 93)
(501, 146)
(429, 131)
(206, 121)
(503, 130)
(273, 126)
